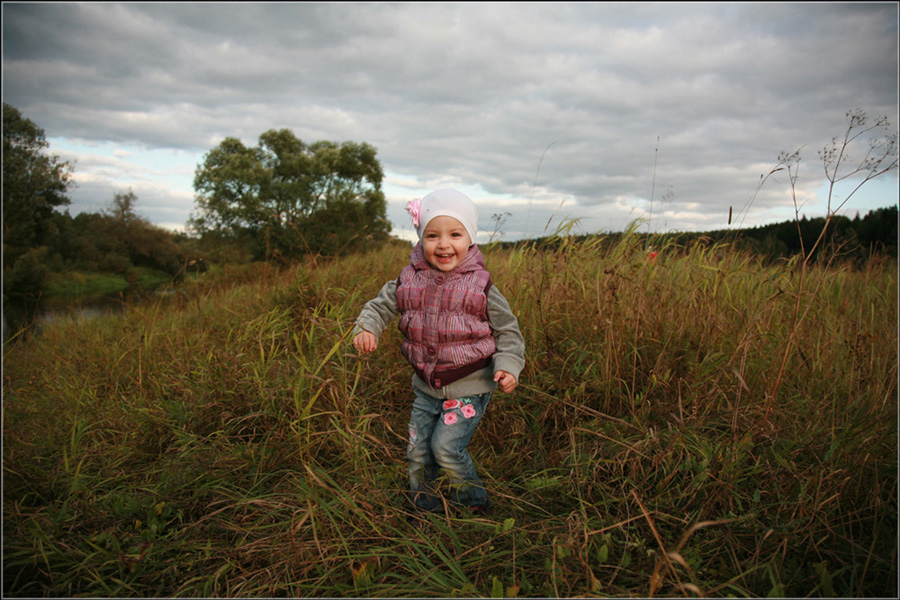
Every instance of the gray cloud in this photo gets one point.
(469, 95)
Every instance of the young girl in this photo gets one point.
(461, 339)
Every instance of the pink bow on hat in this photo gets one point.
(412, 207)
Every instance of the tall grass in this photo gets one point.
(233, 444)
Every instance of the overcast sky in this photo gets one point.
(601, 112)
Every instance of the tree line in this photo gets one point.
(276, 201)
(845, 239)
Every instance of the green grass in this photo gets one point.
(699, 424)
(66, 286)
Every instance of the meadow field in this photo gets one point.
(699, 424)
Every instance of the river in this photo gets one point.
(48, 309)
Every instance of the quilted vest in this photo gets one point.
(443, 318)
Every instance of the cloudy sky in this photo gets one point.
(542, 112)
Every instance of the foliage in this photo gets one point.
(880, 157)
(114, 241)
(34, 185)
(845, 239)
(42, 246)
(229, 442)
(285, 198)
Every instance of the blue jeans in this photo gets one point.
(439, 431)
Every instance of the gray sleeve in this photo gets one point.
(378, 312)
(510, 354)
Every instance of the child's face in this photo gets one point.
(445, 242)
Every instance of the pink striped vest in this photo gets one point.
(443, 318)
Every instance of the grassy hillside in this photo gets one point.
(693, 424)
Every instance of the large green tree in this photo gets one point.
(34, 185)
(285, 198)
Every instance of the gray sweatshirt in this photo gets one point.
(378, 313)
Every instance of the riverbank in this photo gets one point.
(62, 287)
(87, 294)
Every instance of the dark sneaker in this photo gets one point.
(482, 510)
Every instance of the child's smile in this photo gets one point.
(445, 243)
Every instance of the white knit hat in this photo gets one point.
(450, 203)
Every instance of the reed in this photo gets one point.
(230, 442)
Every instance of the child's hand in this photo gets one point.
(506, 381)
(365, 342)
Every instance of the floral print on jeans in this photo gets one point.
(440, 431)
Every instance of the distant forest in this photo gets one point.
(855, 240)
(117, 241)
